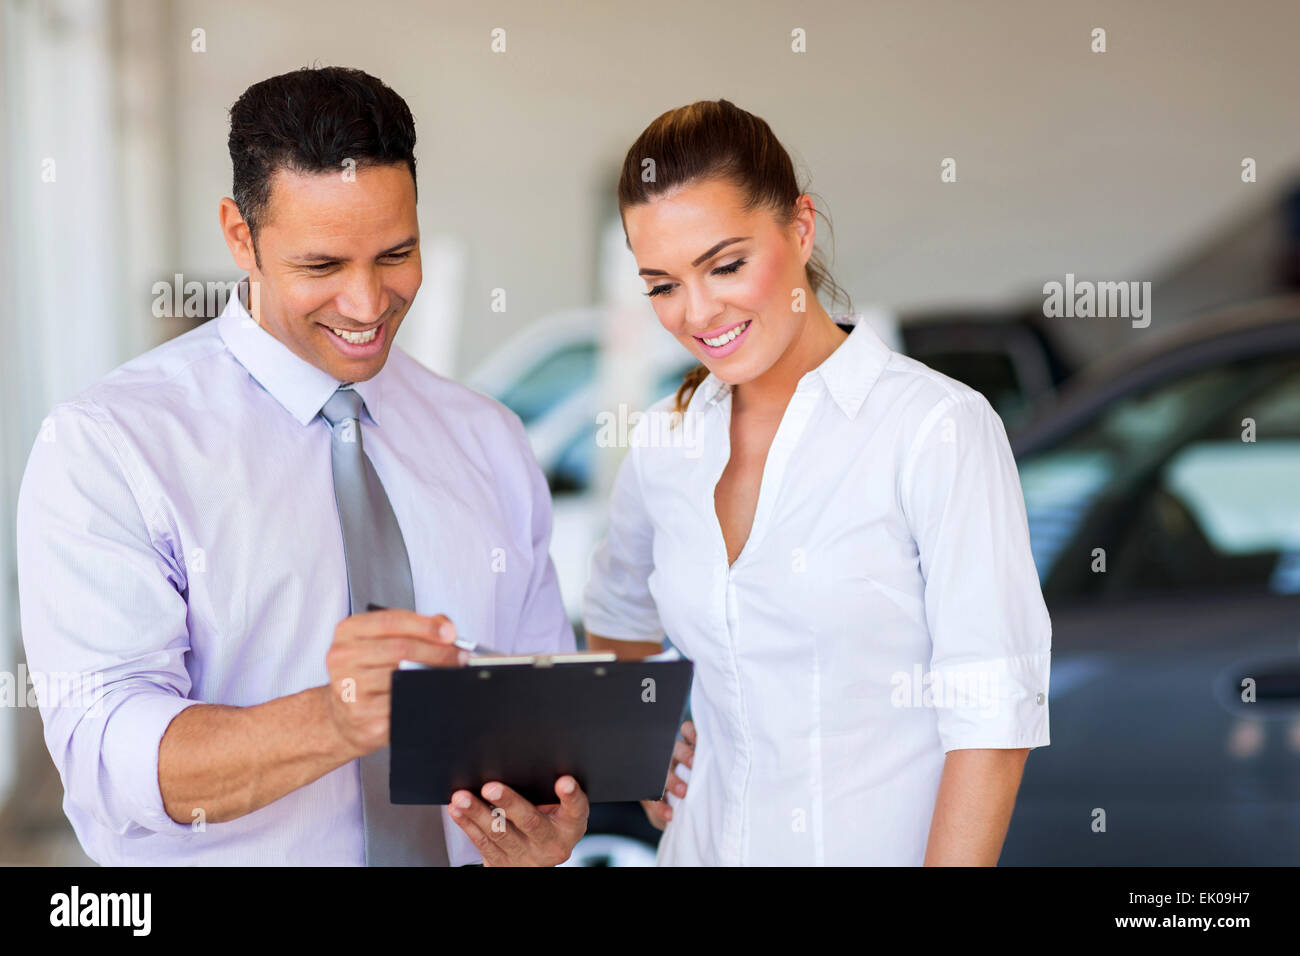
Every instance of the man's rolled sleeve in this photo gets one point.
(103, 619)
(130, 747)
(989, 626)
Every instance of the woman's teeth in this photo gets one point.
(726, 336)
(356, 338)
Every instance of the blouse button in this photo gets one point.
(1040, 697)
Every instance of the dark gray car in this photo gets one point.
(1163, 498)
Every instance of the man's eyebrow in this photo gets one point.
(708, 255)
(408, 241)
(325, 257)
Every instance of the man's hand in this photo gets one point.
(660, 811)
(513, 832)
(366, 650)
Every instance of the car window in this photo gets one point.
(1165, 485)
(571, 473)
(573, 468)
(549, 381)
(1233, 510)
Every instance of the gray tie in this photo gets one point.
(379, 572)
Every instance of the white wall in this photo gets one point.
(1105, 165)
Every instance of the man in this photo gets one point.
(204, 530)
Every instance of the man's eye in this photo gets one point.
(399, 256)
(319, 267)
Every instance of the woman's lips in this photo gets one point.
(719, 351)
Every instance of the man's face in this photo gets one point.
(336, 253)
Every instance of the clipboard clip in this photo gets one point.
(541, 660)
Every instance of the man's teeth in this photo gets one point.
(726, 336)
(356, 338)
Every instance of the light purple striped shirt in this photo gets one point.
(178, 539)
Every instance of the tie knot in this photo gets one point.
(345, 403)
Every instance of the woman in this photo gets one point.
(840, 547)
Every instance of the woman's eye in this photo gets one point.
(720, 271)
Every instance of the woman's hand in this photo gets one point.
(659, 811)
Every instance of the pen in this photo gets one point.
(478, 650)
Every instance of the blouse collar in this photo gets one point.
(848, 373)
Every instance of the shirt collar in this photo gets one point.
(848, 373)
(295, 383)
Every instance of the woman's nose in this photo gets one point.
(702, 311)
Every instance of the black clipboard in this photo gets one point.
(612, 725)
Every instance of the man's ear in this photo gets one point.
(239, 240)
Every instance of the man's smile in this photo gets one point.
(358, 345)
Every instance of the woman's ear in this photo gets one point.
(805, 225)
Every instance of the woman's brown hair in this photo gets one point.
(717, 139)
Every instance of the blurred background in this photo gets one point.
(967, 155)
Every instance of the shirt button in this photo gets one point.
(1040, 697)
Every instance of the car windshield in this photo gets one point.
(550, 380)
(573, 467)
(1151, 495)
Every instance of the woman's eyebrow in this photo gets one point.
(713, 251)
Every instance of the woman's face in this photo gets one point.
(721, 279)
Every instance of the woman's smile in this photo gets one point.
(725, 341)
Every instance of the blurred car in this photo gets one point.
(1008, 355)
(1163, 500)
(548, 375)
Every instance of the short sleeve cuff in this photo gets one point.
(993, 704)
(130, 747)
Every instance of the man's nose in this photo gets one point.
(363, 299)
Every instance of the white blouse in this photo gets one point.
(884, 610)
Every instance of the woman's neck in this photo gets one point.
(771, 391)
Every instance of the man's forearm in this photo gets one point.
(977, 793)
(230, 761)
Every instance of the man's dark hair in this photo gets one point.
(312, 120)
